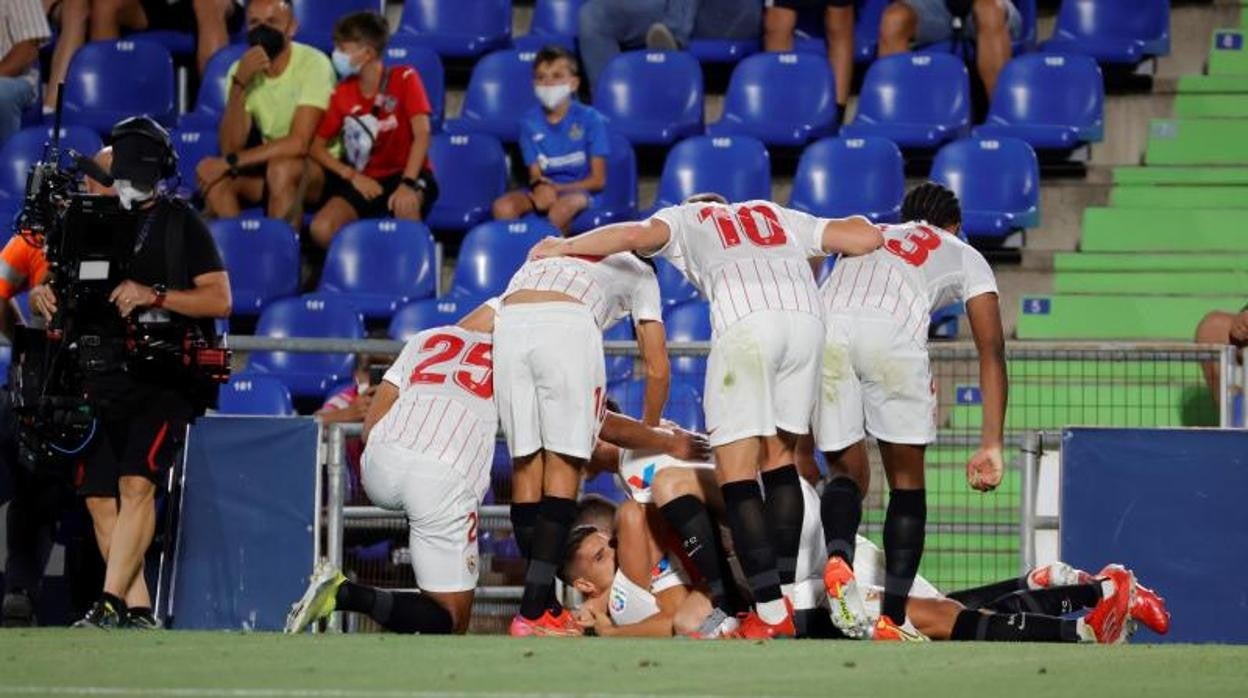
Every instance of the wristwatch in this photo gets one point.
(162, 292)
(411, 183)
(231, 159)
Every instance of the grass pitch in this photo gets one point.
(232, 665)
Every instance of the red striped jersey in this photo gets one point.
(745, 257)
(920, 268)
(445, 409)
(611, 287)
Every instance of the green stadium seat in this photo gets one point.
(1211, 106)
(1146, 262)
(1163, 283)
(1049, 406)
(1108, 317)
(1143, 176)
(1179, 197)
(1228, 54)
(1164, 230)
(1224, 84)
(1197, 142)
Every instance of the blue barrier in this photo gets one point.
(1170, 504)
(246, 538)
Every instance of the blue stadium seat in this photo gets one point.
(380, 265)
(997, 181)
(262, 256)
(762, 100)
(1049, 100)
(738, 167)
(843, 177)
(620, 366)
(673, 285)
(492, 252)
(213, 90)
(471, 172)
(401, 51)
(317, 18)
(554, 22)
(254, 394)
(652, 97)
(499, 94)
(688, 322)
(308, 374)
(96, 97)
(179, 44)
(1112, 31)
(918, 100)
(684, 400)
(430, 312)
(25, 148)
(458, 28)
(618, 199)
(722, 50)
(192, 146)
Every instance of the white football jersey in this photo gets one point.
(745, 257)
(445, 409)
(920, 268)
(611, 287)
(629, 603)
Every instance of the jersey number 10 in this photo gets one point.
(447, 348)
(731, 224)
(917, 245)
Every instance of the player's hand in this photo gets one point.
(43, 301)
(130, 295)
(688, 446)
(405, 203)
(985, 469)
(368, 187)
(592, 621)
(1239, 329)
(211, 171)
(253, 62)
(544, 195)
(547, 247)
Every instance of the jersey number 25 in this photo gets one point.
(731, 224)
(916, 246)
(475, 364)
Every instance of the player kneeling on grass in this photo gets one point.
(429, 441)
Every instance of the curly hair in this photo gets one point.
(934, 203)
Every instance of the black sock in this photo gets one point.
(784, 508)
(396, 611)
(904, 525)
(841, 512)
(523, 519)
(550, 535)
(118, 603)
(1054, 601)
(1013, 627)
(743, 503)
(982, 597)
(688, 516)
(840, 114)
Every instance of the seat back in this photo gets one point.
(214, 88)
(492, 252)
(762, 96)
(96, 97)
(402, 51)
(471, 172)
(990, 174)
(1049, 89)
(673, 286)
(688, 322)
(381, 257)
(916, 88)
(458, 27)
(645, 93)
(620, 192)
(254, 394)
(262, 257)
(842, 177)
(308, 316)
(1142, 20)
(25, 148)
(191, 147)
(317, 18)
(430, 312)
(499, 94)
(738, 167)
(555, 18)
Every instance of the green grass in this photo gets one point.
(188, 665)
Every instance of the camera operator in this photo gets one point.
(143, 408)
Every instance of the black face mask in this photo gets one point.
(268, 38)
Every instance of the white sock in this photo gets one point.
(786, 590)
(772, 612)
(1107, 588)
(1084, 631)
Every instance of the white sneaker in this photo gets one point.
(716, 626)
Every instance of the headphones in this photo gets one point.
(147, 127)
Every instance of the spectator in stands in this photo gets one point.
(564, 143)
(609, 26)
(991, 23)
(1221, 327)
(23, 29)
(280, 89)
(382, 114)
(780, 23)
(349, 405)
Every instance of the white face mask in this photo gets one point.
(129, 194)
(551, 96)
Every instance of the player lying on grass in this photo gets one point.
(429, 443)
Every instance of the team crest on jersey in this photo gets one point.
(619, 600)
(643, 482)
(470, 562)
(576, 132)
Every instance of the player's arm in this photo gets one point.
(652, 341)
(383, 400)
(985, 470)
(604, 459)
(626, 432)
(293, 145)
(853, 236)
(646, 237)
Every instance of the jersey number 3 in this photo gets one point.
(732, 224)
(916, 246)
(476, 365)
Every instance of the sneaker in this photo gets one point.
(1150, 609)
(1108, 620)
(319, 600)
(547, 625)
(142, 619)
(753, 627)
(660, 38)
(845, 604)
(886, 630)
(717, 625)
(102, 615)
(17, 611)
(1056, 574)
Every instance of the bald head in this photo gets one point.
(274, 13)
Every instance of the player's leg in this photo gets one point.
(779, 24)
(737, 467)
(526, 498)
(849, 473)
(555, 515)
(840, 432)
(838, 22)
(783, 505)
(945, 619)
(905, 524)
(680, 495)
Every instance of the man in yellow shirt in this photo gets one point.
(279, 89)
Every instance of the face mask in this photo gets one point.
(129, 194)
(551, 96)
(268, 38)
(342, 64)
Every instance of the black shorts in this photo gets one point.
(179, 15)
(378, 208)
(138, 439)
(799, 5)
